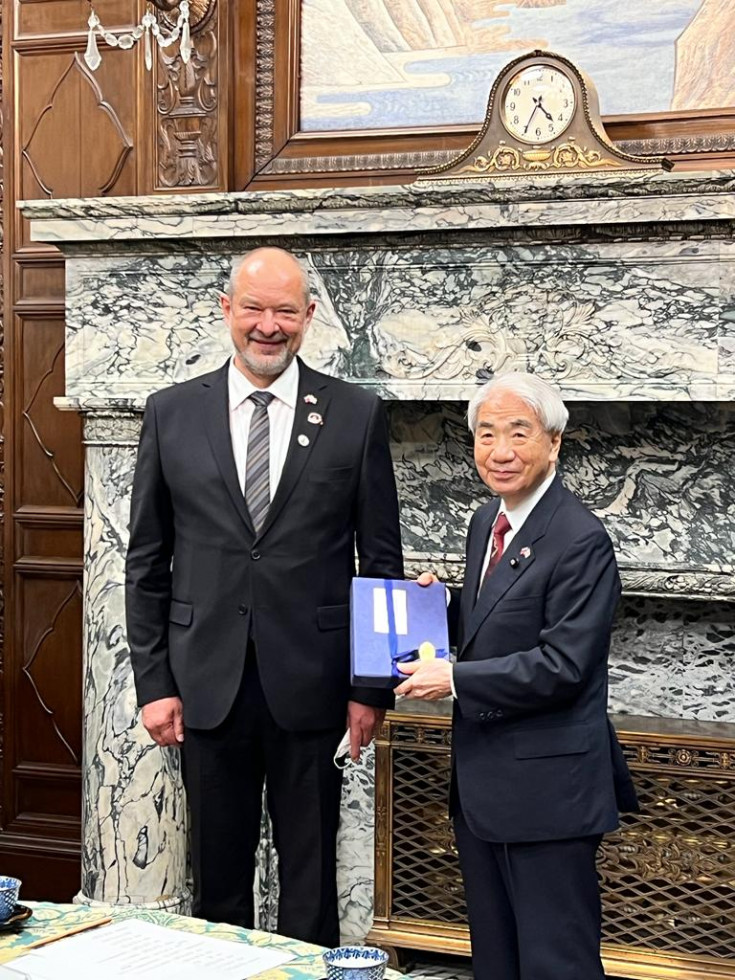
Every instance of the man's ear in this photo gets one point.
(309, 315)
(226, 305)
(555, 447)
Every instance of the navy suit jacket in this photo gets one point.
(535, 757)
(200, 582)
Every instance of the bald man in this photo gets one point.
(253, 489)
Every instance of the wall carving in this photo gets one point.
(187, 110)
(264, 82)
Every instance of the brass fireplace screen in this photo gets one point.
(668, 875)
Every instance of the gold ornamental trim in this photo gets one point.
(508, 159)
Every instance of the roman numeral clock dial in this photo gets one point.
(539, 104)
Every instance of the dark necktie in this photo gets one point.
(501, 528)
(257, 464)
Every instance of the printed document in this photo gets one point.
(136, 950)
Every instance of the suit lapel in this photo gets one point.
(217, 425)
(516, 560)
(310, 383)
(477, 548)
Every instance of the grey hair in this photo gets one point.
(544, 398)
(238, 261)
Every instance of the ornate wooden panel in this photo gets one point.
(666, 875)
(191, 108)
(75, 134)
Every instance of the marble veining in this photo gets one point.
(421, 194)
(603, 320)
(134, 811)
(660, 476)
(673, 660)
(620, 288)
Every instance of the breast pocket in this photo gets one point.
(332, 475)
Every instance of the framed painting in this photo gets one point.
(377, 89)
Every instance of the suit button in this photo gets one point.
(242, 609)
(255, 555)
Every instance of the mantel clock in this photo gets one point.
(543, 117)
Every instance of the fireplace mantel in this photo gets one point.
(619, 288)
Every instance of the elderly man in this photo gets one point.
(538, 775)
(253, 487)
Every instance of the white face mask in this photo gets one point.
(342, 755)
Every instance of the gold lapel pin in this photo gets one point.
(303, 440)
(310, 399)
(315, 418)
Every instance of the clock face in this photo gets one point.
(539, 104)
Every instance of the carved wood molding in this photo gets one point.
(188, 105)
(265, 83)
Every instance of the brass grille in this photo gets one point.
(426, 880)
(668, 874)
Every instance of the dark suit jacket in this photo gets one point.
(199, 583)
(535, 757)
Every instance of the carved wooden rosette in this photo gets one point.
(583, 147)
(188, 105)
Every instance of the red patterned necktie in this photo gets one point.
(501, 528)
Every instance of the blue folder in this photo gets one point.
(389, 622)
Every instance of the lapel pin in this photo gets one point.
(303, 440)
(525, 552)
(310, 399)
(315, 418)
(513, 563)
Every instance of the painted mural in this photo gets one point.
(384, 64)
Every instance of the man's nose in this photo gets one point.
(502, 449)
(267, 322)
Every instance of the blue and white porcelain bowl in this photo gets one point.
(355, 963)
(9, 888)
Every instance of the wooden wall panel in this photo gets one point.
(50, 459)
(39, 18)
(71, 133)
(73, 141)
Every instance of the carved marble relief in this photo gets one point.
(603, 320)
(659, 476)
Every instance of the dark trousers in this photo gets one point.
(534, 909)
(224, 771)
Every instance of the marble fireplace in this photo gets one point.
(619, 288)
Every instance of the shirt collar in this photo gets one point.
(519, 514)
(285, 387)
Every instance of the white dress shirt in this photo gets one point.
(517, 517)
(281, 412)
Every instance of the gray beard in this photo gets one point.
(266, 367)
